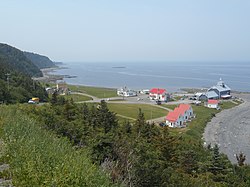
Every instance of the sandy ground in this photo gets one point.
(230, 129)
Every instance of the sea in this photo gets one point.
(172, 76)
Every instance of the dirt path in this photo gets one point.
(230, 129)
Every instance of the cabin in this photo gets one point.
(212, 103)
(180, 116)
(159, 94)
(125, 92)
(221, 91)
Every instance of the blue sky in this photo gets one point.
(129, 30)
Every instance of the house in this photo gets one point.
(221, 90)
(62, 88)
(200, 96)
(159, 94)
(179, 116)
(212, 103)
(125, 92)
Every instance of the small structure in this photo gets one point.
(221, 90)
(125, 92)
(62, 88)
(200, 96)
(212, 103)
(159, 94)
(179, 117)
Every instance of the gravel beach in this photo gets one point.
(230, 129)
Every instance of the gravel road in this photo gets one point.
(230, 129)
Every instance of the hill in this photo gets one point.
(39, 60)
(16, 84)
(16, 60)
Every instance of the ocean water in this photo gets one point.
(169, 75)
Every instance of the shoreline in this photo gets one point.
(230, 130)
(49, 77)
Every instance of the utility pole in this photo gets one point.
(8, 80)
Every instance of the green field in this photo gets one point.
(77, 97)
(94, 91)
(131, 110)
(172, 107)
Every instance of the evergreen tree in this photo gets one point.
(241, 158)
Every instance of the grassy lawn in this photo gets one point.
(94, 91)
(131, 110)
(172, 107)
(77, 97)
(227, 104)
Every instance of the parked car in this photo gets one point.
(158, 102)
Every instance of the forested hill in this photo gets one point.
(16, 84)
(15, 59)
(39, 60)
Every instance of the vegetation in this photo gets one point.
(139, 154)
(16, 84)
(94, 91)
(131, 110)
(39, 158)
(39, 60)
(77, 97)
(16, 60)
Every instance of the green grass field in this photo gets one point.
(94, 91)
(77, 97)
(172, 107)
(131, 110)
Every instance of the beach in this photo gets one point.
(230, 129)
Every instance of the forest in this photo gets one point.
(16, 84)
(138, 154)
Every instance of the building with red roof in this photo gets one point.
(159, 94)
(179, 116)
(212, 103)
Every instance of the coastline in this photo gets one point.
(230, 129)
(49, 77)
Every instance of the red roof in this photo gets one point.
(213, 101)
(180, 110)
(172, 116)
(157, 91)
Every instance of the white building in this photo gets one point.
(212, 103)
(125, 92)
(159, 94)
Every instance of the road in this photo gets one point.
(230, 129)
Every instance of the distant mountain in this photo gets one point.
(16, 60)
(39, 60)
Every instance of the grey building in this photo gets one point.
(221, 90)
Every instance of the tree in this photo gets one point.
(241, 158)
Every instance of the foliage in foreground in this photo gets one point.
(39, 158)
(139, 154)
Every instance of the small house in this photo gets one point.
(179, 117)
(125, 92)
(212, 103)
(200, 96)
(159, 94)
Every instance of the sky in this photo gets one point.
(129, 30)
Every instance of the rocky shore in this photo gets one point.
(230, 129)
